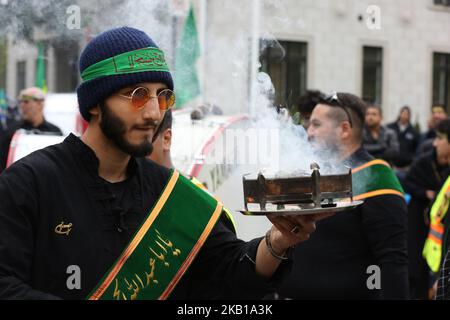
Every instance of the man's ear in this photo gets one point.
(167, 139)
(346, 130)
(95, 111)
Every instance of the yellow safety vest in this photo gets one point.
(432, 251)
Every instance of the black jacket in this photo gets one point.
(408, 140)
(12, 126)
(386, 147)
(61, 184)
(333, 263)
(425, 174)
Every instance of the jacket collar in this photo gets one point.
(89, 158)
(358, 158)
(95, 185)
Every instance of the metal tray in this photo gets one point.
(292, 210)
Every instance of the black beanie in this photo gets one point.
(106, 45)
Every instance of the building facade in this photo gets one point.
(392, 53)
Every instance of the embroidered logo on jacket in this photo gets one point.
(63, 228)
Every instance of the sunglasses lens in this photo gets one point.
(140, 97)
(166, 99)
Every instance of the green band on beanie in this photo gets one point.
(146, 59)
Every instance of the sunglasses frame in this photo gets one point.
(333, 100)
(26, 99)
(130, 97)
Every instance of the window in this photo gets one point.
(285, 63)
(66, 61)
(442, 3)
(20, 79)
(372, 74)
(441, 79)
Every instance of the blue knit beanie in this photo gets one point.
(106, 45)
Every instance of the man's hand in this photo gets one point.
(287, 231)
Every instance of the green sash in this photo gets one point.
(164, 246)
(375, 178)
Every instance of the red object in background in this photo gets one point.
(12, 149)
(81, 124)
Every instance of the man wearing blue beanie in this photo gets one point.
(92, 218)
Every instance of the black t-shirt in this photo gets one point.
(43, 127)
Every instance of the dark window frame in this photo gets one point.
(445, 3)
(289, 59)
(441, 79)
(372, 74)
(21, 75)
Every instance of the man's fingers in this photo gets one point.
(282, 224)
(294, 224)
(307, 224)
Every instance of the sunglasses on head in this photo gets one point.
(141, 95)
(333, 100)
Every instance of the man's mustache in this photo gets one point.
(147, 125)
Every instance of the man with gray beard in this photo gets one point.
(359, 253)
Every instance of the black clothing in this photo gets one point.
(12, 126)
(333, 263)
(386, 147)
(43, 127)
(408, 140)
(426, 142)
(6, 134)
(424, 174)
(424, 147)
(61, 183)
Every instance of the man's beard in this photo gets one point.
(327, 149)
(114, 129)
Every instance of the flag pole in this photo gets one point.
(254, 55)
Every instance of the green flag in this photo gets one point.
(3, 109)
(40, 68)
(188, 51)
(3, 104)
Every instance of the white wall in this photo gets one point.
(410, 32)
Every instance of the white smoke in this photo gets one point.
(295, 153)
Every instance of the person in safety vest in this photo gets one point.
(437, 242)
(423, 182)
